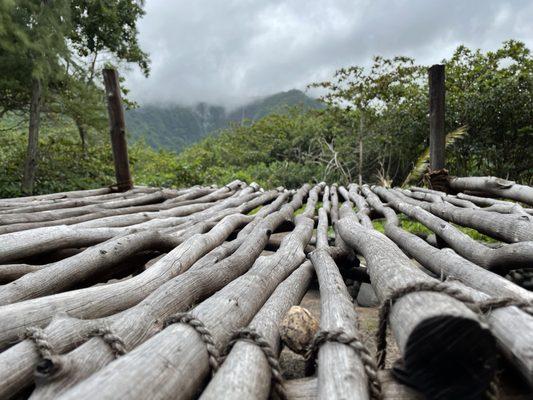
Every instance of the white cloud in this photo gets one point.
(228, 52)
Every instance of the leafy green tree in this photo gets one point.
(103, 32)
(33, 43)
(48, 61)
(491, 94)
(365, 96)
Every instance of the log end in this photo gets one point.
(449, 357)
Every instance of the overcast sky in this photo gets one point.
(232, 51)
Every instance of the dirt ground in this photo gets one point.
(293, 365)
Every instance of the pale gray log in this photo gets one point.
(105, 300)
(496, 186)
(507, 227)
(175, 362)
(510, 256)
(156, 197)
(142, 321)
(341, 373)
(510, 326)
(246, 373)
(302, 389)
(415, 314)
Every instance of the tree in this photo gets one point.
(103, 32)
(33, 41)
(48, 60)
(365, 96)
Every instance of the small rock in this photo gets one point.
(298, 329)
(366, 296)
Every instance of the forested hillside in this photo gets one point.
(371, 123)
(175, 127)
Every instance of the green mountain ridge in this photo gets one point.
(176, 127)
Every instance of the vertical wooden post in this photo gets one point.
(437, 136)
(117, 127)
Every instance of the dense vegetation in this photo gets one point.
(174, 127)
(373, 125)
(376, 125)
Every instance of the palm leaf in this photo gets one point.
(422, 163)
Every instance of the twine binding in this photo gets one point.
(113, 341)
(205, 335)
(355, 343)
(252, 336)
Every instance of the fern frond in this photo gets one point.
(422, 163)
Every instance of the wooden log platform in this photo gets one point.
(181, 293)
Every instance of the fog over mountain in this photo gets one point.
(229, 53)
(174, 127)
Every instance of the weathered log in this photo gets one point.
(23, 244)
(512, 329)
(177, 356)
(462, 200)
(510, 256)
(59, 195)
(105, 300)
(142, 321)
(341, 372)
(302, 389)
(363, 211)
(101, 214)
(133, 325)
(51, 215)
(488, 202)
(307, 388)
(510, 326)
(66, 203)
(66, 273)
(424, 323)
(334, 214)
(445, 261)
(510, 228)
(442, 196)
(228, 248)
(496, 186)
(246, 372)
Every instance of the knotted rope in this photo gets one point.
(39, 339)
(49, 362)
(369, 364)
(205, 335)
(251, 336)
(113, 341)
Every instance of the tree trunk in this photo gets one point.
(30, 164)
(82, 130)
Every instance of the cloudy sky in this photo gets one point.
(232, 51)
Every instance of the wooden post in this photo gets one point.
(117, 127)
(437, 136)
